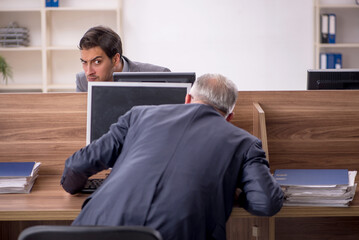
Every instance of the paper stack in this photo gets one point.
(14, 36)
(18, 177)
(317, 187)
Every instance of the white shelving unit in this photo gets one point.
(51, 61)
(347, 31)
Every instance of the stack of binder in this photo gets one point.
(328, 28)
(328, 35)
(52, 3)
(18, 177)
(14, 36)
(317, 187)
(331, 61)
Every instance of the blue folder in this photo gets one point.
(16, 169)
(332, 28)
(316, 177)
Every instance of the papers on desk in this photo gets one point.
(317, 187)
(18, 177)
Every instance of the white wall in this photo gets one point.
(259, 44)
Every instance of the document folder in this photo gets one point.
(16, 169)
(324, 28)
(312, 177)
(332, 28)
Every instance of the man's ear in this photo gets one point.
(188, 99)
(116, 59)
(230, 117)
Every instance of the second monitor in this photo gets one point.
(339, 79)
(177, 77)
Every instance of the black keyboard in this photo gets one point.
(92, 184)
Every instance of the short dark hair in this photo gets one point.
(105, 38)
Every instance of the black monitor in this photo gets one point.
(107, 101)
(333, 79)
(178, 77)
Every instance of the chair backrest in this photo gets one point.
(89, 233)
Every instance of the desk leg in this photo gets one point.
(271, 231)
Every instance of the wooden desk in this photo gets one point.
(305, 129)
(290, 212)
(47, 204)
(47, 201)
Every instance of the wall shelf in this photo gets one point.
(51, 60)
(347, 36)
(338, 45)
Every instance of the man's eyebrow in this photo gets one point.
(95, 58)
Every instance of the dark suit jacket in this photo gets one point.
(175, 169)
(81, 81)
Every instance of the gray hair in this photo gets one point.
(215, 90)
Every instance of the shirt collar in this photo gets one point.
(125, 65)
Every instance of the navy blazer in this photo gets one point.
(175, 168)
(81, 81)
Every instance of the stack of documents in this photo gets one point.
(18, 177)
(14, 36)
(317, 187)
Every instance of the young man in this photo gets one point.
(101, 56)
(175, 168)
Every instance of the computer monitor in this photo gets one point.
(178, 77)
(107, 101)
(333, 79)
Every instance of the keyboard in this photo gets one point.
(92, 184)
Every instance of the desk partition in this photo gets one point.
(304, 129)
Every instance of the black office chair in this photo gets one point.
(89, 233)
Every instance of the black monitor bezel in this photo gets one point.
(89, 137)
(177, 77)
(332, 79)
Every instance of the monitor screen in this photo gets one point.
(107, 101)
(333, 79)
(184, 77)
